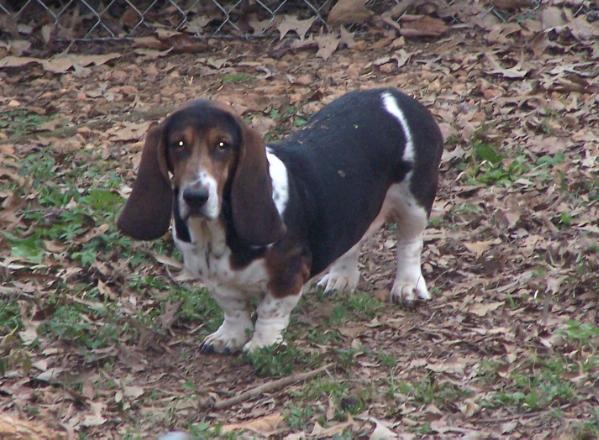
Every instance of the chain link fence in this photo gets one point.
(121, 19)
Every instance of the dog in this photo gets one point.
(261, 221)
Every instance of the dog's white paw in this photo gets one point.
(336, 281)
(407, 290)
(227, 339)
(258, 342)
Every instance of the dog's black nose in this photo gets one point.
(195, 197)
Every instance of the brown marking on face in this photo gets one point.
(209, 150)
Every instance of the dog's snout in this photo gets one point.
(195, 196)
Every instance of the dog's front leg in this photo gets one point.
(237, 326)
(273, 318)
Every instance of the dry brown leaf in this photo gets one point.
(509, 5)
(481, 309)
(422, 26)
(289, 23)
(582, 29)
(381, 431)
(346, 37)
(13, 428)
(60, 63)
(263, 123)
(399, 8)
(348, 11)
(95, 418)
(93, 233)
(133, 391)
(516, 72)
(480, 247)
(168, 261)
(106, 291)
(170, 314)
(552, 17)
(447, 367)
(327, 45)
(266, 425)
(132, 131)
(319, 432)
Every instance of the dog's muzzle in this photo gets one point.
(195, 198)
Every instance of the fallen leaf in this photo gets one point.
(29, 335)
(516, 72)
(447, 367)
(94, 420)
(508, 427)
(327, 45)
(422, 26)
(480, 247)
(93, 233)
(133, 392)
(381, 431)
(14, 428)
(319, 432)
(106, 291)
(552, 17)
(290, 23)
(481, 309)
(50, 375)
(348, 11)
(170, 314)
(60, 63)
(131, 131)
(266, 425)
(346, 37)
(168, 261)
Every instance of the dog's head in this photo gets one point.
(214, 158)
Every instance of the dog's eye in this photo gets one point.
(222, 145)
(179, 145)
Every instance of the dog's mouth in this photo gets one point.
(195, 212)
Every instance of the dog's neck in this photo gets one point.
(207, 234)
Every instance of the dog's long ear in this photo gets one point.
(147, 213)
(255, 216)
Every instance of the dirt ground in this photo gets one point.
(100, 335)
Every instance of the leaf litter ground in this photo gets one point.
(100, 335)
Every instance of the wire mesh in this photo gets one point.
(121, 19)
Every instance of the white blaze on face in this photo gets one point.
(211, 209)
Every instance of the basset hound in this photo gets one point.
(261, 221)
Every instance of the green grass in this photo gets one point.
(206, 431)
(349, 397)
(20, 122)
(236, 78)
(65, 208)
(74, 196)
(428, 390)
(356, 306)
(539, 383)
(298, 416)
(584, 334)
(587, 429)
(488, 165)
(77, 325)
(10, 317)
(280, 360)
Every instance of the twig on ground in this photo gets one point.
(530, 415)
(264, 388)
(16, 293)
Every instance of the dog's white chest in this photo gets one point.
(209, 258)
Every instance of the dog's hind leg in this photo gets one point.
(411, 220)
